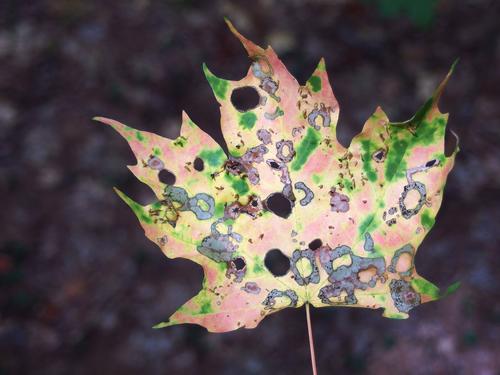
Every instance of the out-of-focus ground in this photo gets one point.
(80, 286)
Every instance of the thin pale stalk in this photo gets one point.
(311, 340)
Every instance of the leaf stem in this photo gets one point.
(311, 340)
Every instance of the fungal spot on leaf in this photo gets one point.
(280, 205)
(368, 245)
(273, 116)
(316, 114)
(237, 268)
(198, 164)
(402, 261)
(202, 205)
(221, 244)
(264, 136)
(417, 189)
(166, 177)
(245, 98)
(304, 268)
(308, 193)
(315, 244)
(277, 299)
(343, 268)
(276, 262)
(285, 151)
(251, 287)
(404, 296)
(155, 163)
(235, 167)
(338, 202)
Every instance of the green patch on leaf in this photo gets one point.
(219, 209)
(305, 148)
(248, 120)
(315, 83)
(368, 150)
(395, 159)
(239, 185)
(213, 158)
(427, 220)
(139, 136)
(258, 266)
(205, 307)
(180, 141)
(368, 225)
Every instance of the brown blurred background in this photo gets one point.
(80, 286)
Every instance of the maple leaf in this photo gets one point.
(352, 219)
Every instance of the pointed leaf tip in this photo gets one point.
(219, 85)
(122, 195)
(439, 90)
(138, 209)
(161, 325)
(103, 120)
(253, 49)
(118, 126)
(321, 64)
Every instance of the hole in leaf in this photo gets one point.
(245, 98)
(239, 263)
(280, 205)
(274, 165)
(315, 244)
(379, 155)
(430, 163)
(450, 143)
(198, 164)
(276, 262)
(166, 177)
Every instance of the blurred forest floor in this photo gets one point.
(80, 286)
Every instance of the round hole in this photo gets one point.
(315, 244)
(166, 177)
(280, 205)
(239, 263)
(276, 262)
(245, 98)
(198, 164)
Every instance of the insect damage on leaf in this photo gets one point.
(347, 222)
